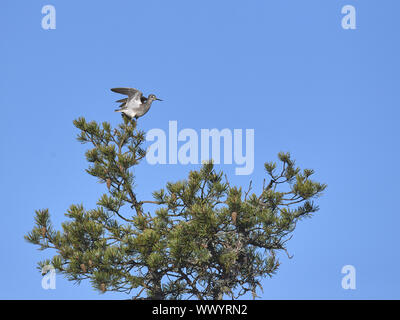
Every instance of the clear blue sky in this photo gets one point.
(286, 69)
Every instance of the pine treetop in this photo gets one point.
(207, 239)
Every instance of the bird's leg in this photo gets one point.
(124, 117)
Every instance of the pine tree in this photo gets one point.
(206, 240)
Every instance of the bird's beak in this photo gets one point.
(159, 99)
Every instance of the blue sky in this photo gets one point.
(286, 69)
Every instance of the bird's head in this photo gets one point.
(153, 97)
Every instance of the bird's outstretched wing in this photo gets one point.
(127, 91)
(135, 97)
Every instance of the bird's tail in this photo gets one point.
(118, 110)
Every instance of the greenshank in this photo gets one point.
(136, 105)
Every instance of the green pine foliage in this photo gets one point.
(206, 239)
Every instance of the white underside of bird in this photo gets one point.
(129, 112)
(131, 109)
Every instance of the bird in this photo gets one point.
(136, 105)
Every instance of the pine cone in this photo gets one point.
(234, 217)
(108, 181)
(83, 267)
(103, 287)
(44, 230)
